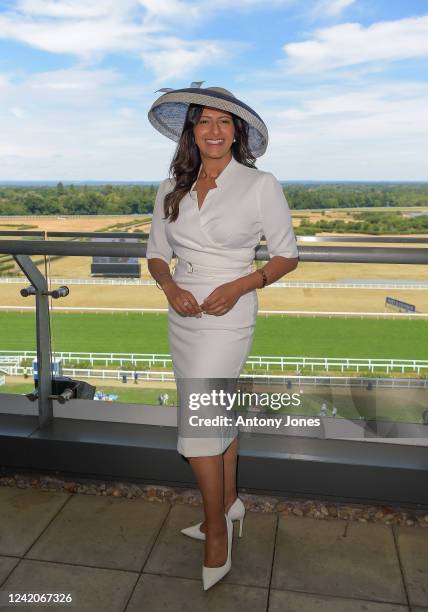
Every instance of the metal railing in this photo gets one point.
(21, 250)
(266, 362)
(356, 284)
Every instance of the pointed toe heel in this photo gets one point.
(236, 512)
(212, 575)
(194, 532)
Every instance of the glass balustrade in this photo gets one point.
(343, 344)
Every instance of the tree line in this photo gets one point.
(377, 223)
(139, 199)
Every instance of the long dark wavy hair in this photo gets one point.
(187, 159)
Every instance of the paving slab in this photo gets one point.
(92, 589)
(413, 549)
(24, 514)
(171, 594)
(290, 601)
(6, 566)
(175, 554)
(103, 532)
(337, 558)
(252, 555)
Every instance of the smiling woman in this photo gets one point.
(216, 134)
(212, 215)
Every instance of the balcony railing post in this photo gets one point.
(44, 367)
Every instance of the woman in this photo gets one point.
(212, 214)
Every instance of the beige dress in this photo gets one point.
(215, 245)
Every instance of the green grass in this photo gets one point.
(126, 393)
(275, 335)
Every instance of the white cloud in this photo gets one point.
(370, 132)
(4, 80)
(83, 38)
(330, 8)
(350, 44)
(83, 9)
(77, 79)
(167, 11)
(174, 58)
(91, 123)
(326, 132)
(18, 112)
(89, 30)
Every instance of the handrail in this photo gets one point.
(387, 255)
(324, 238)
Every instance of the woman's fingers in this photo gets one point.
(212, 301)
(194, 303)
(186, 304)
(219, 306)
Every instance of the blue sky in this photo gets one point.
(341, 84)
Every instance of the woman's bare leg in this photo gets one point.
(229, 476)
(229, 472)
(209, 475)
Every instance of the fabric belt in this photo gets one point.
(191, 267)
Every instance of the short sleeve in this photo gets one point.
(157, 244)
(276, 219)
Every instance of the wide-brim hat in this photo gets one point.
(167, 114)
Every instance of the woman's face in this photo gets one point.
(214, 132)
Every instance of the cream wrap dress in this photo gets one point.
(215, 245)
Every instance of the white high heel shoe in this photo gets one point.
(236, 512)
(211, 575)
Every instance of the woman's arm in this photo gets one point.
(159, 254)
(224, 297)
(159, 270)
(276, 268)
(183, 302)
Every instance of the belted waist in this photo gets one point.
(190, 267)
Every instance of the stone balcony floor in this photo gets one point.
(114, 554)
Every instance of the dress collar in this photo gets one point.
(231, 166)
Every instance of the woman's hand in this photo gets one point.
(222, 299)
(183, 302)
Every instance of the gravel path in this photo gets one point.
(254, 503)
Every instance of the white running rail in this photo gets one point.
(419, 286)
(254, 362)
(303, 313)
(331, 381)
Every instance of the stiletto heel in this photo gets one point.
(211, 575)
(236, 512)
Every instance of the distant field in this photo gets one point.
(270, 298)
(275, 335)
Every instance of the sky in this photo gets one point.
(341, 84)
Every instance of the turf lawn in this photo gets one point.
(275, 335)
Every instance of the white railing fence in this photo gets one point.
(355, 284)
(12, 359)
